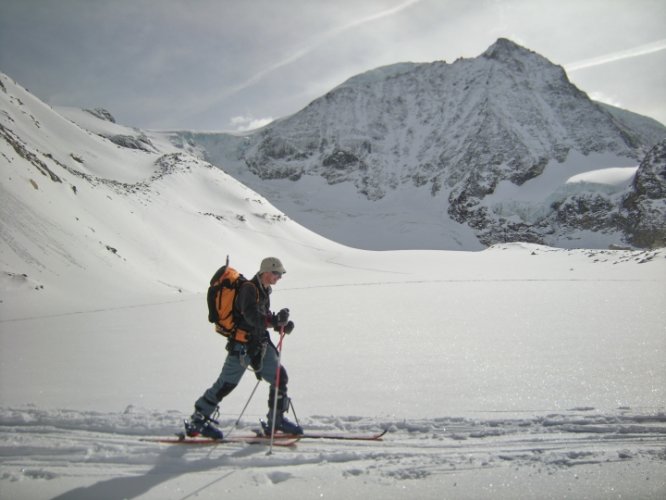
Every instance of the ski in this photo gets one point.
(332, 435)
(348, 437)
(181, 439)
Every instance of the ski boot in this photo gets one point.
(282, 424)
(201, 425)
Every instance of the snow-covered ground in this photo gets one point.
(517, 372)
(520, 371)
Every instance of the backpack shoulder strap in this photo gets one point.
(249, 282)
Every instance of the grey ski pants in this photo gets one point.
(235, 365)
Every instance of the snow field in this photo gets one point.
(518, 372)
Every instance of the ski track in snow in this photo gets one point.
(43, 445)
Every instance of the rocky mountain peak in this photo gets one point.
(504, 50)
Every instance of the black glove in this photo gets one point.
(281, 318)
(289, 327)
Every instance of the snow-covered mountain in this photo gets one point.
(113, 209)
(457, 155)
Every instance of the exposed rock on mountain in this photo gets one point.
(645, 220)
(102, 114)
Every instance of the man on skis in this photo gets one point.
(250, 346)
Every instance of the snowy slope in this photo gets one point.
(78, 209)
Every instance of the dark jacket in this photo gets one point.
(252, 309)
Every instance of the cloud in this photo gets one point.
(641, 50)
(246, 123)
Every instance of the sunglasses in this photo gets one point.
(277, 274)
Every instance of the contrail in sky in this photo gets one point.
(314, 44)
(641, 50)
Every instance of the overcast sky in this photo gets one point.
(233, 64)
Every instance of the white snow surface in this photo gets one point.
(517, 372)
(520, 371)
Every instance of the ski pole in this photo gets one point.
(277, 385)
(244, 408)
(293, 410)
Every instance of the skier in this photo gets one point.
(250, 346)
